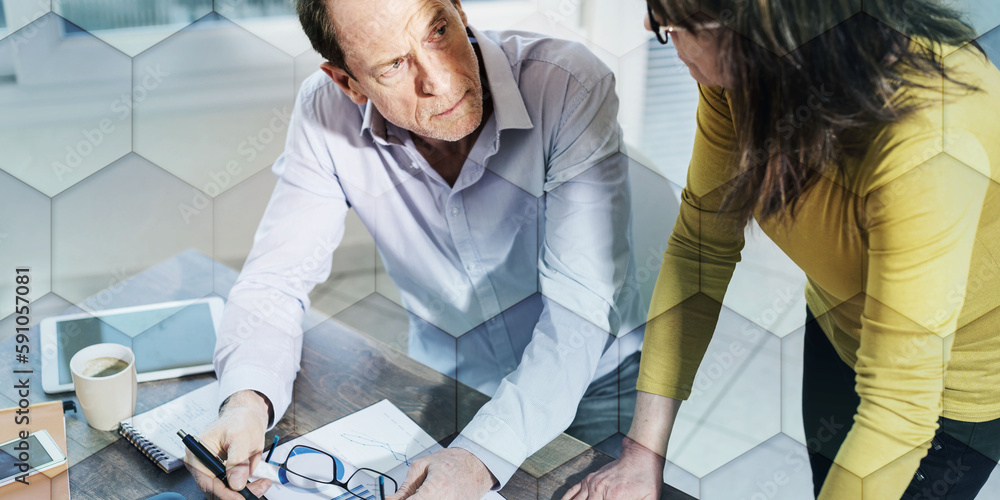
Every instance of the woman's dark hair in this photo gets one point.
(785, 59)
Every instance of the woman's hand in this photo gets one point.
(636, 475)
(638, 472)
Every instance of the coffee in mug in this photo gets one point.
(104, 377)
(104, 366)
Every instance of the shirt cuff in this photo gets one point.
(258, 379)
(501, 469)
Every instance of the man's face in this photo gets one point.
(413, 61)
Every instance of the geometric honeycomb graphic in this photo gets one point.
(136, 144)
(59, 126)
(25, 240)
(133, 28)
(16, 15)
(102, 235)
(235, 93)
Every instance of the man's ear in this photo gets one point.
(461, 13)
(346, 83)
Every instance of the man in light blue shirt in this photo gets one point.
(487, 168)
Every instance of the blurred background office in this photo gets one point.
(132, 131)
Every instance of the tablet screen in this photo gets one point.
(162, 339)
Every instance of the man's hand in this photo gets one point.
(450, 474)
(237, 437)
(636, 475)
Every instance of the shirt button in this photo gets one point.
(455, 211)
(471, 268)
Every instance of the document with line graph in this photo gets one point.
(378, 438)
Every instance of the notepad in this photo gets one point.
(155, 432)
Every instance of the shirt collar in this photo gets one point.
(373, 121)
(508, 105)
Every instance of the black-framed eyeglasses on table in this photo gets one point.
(308, 464)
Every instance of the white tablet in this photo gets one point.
(170, 339)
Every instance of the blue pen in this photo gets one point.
(381, 487)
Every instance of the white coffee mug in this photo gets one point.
(105, 380)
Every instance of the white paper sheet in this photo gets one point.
(380, 437)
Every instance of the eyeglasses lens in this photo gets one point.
(364, 483)
(312, 465)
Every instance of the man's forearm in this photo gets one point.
(538, 401)
(653, 421)
(259, 344)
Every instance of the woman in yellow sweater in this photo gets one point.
(867, 146)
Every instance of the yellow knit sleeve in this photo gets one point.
(701, 254)
(921, 229)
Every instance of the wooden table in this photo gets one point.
(342, 371)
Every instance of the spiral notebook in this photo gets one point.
(155, 432)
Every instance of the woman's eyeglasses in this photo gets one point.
(306, 464)
(662, 32)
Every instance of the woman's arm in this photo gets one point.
(701, 255)
(638, 472)
(653, 421)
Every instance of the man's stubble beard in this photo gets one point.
(475, 103)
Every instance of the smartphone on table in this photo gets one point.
(27, 457)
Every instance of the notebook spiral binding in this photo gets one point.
(147, 448)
